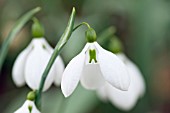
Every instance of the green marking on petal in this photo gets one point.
(30, 108)
(44, 47)
(92, 54)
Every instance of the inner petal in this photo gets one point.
(92, 77)
(91, 55)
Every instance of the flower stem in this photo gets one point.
(63, 40)
(83, 23)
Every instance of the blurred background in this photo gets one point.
(142, 25)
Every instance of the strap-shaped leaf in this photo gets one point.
(63, 40)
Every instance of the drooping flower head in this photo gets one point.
(94, 66)
(29, 105)
(31, 62)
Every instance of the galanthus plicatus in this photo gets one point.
(94, 67)
(125, 100)
(31, 62)
(28, 107)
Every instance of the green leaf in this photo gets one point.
(14, 31)
(63, 40)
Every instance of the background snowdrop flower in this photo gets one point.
(28, 107)
(125, 100)
(94, 66)
(31, 62)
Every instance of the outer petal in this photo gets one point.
(124, 100)
(35, 66)
(59, 69)
(113, 69)
(135, 73)
(19, 65)
(71, 75)
(24, 108)
(137, 77)
(92, 77)
(102, 93)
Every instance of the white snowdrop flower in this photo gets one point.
(94, 67)
(31, 62)
(125, 100)
(28, 107)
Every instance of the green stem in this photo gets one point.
(17, 27)
(83, 23)
(64, 38)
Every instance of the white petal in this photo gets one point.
(35, 66)
(124, 100)
(71, 75)
(135, 73)
(24, 108)
(137, 77)
(102, 93)
(113, 69)
(58, 64)
(19, 65)
(91, 76)
(46, 45)
(59, 69)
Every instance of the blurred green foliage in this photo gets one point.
(142, 25)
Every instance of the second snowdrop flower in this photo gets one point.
(32, 61)
(94, 66)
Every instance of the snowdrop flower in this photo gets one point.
(31, 62)
(94, 66)
(125, 100)
(28, 107)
